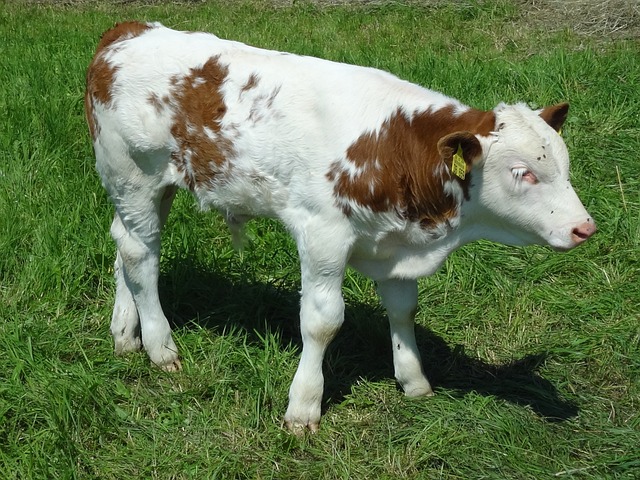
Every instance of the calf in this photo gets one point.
(364, 169)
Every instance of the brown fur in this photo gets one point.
(408, 153)
(121, 31)
(100, 75)
(251, 83)
(198, 104)
(555, 115)
(159, 104)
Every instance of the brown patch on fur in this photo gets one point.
(252, 82)
(403, 168)
(159, 104)
(199, 107)
(99, 82)
(122, 31)
(100, 74)
(90, 115)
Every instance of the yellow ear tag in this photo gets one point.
(560, 132)
(459, 166)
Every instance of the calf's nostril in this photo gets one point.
(584, 231)
(581, 234)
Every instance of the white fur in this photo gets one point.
(302, 115)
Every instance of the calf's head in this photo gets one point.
(520, 190)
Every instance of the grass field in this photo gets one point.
(535, 355)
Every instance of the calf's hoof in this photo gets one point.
(419, 390)
(129, 345)
(167, 359)
(299, 429)
(163, 354)
(172, 366)
(301, 418)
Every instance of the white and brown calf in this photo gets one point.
(358, 164)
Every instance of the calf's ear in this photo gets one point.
(555, 115)
(464, 143)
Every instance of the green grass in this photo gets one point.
(535, 355)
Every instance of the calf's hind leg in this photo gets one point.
(137, 316)
(125, 323)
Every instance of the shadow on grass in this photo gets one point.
(362, 349)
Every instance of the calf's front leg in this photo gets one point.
(400, 299)
(321, 315)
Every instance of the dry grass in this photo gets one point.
(600, 18)
(593, 18)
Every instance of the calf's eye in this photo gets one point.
(524, 174)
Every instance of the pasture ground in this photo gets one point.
(534, 354)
